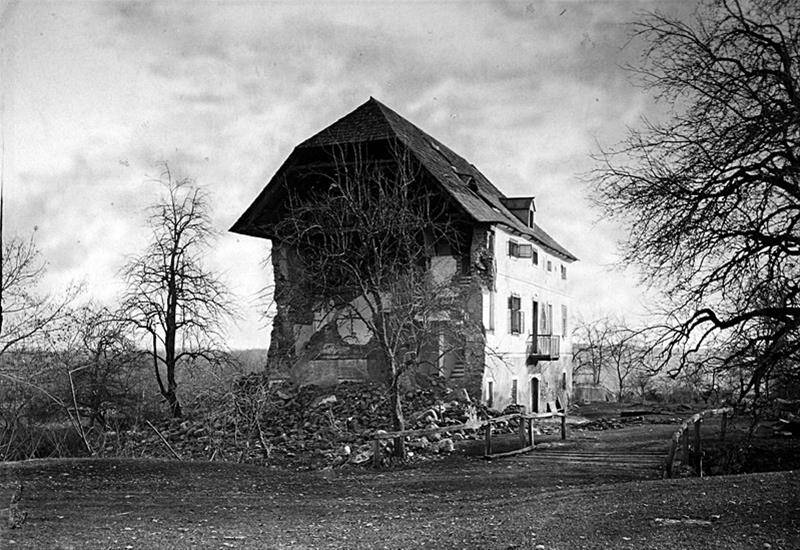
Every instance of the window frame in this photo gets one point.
(492, 304)
(520, 250)
(516, 316)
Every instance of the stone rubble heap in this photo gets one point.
(308, 427)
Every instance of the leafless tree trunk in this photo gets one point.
(171, 297)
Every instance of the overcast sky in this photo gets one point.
(95, 94)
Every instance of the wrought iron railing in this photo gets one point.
(544, 347)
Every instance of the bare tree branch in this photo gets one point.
(171, 297)
(711, 196)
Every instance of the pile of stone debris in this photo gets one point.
(615, 423)
(308, 427)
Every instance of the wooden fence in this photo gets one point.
(525, 432)
(681, 437)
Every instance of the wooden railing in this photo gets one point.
(525, 431)
(526, 436)
(544, 347)
(681, 437)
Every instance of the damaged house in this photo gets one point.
(495, 316)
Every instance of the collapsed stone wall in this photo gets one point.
(309, 356)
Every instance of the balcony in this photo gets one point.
(544, 347)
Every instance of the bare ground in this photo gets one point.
(457, 503)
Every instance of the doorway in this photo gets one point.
(534, 395)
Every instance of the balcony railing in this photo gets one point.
(544, 347)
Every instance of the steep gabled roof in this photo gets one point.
(373, 121)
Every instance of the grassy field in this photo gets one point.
(457, 503)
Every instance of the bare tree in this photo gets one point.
(171, 297)
(711, 196)
(95, 350)
(359, 239)
(591, 348)
(609, 345)
(28, 313)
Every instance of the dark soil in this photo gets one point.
(458, 502)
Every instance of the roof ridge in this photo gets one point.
(374, 121)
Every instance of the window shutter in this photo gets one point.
(491, 310)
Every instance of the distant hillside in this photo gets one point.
(252, 360)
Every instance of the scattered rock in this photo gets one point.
(308, 427)
(445, 446)
(329, 400)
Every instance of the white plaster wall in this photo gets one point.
(506, 353)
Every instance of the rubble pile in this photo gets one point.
(614, 423)
(308, 427)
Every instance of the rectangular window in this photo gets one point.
(490, 394)
(516, 322)
(491, 311)
(564, 272)
(535, 257)
(543, 320)
(563, 320)
(549, 318)
(549, 265)
(490, 241)
(442, 248)
(516, 250)
(514, 392)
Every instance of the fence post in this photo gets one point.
(685, 448)
(523, 437)
(376, 453)
(698, 444)
(487, 439)
(530, 431)
(564, 426)
(723, 426)
(673, 445)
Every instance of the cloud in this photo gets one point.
(224, 91)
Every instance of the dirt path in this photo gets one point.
(463, 503)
